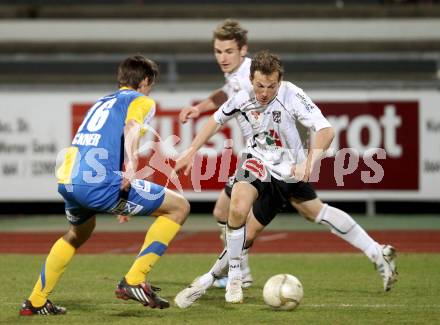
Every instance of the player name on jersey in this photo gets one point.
(86, 139)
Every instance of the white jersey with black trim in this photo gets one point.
(276, 138)
(239, 79)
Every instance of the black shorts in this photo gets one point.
(229, 184)
(273, 194)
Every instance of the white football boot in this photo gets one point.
(194, 291)
(234, 291)
(386, 266)
(246, 278)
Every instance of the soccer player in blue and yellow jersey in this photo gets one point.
(91, 181)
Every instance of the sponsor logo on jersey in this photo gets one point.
(256, 168)
(272, 138)
(255, 118)
(248, 102)
(308, 105)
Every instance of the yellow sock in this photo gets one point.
(161, 232)
(56, 262)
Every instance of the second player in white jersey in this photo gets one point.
(230, 50)
(238, 79)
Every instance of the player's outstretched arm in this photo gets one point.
(214, 101)
(186, 159)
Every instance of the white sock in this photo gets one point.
(218, 270)
(235, 240)
(220, 267)
(206, 280)
(245, 261)
(222, 227)
(343, 226)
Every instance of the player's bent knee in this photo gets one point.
(309, 210)
(182, 210)
(77, 239)
(221, 208)
(79, 234)
(220, 214)
(239, 211)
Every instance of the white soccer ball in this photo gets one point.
(283, 292)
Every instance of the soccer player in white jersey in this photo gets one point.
(275, 170)
(230, 49)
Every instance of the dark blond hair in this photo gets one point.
(231, 29)
(267, 63)
(136, 68)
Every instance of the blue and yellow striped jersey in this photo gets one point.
(97, 151)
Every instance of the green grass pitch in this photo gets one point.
(338, 289)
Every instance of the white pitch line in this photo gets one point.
(378, 306)
(367, 306)
(374, 306)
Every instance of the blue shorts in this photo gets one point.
(84, 201)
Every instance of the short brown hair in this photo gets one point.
(267, 63)
(136, 68)
(231, 29)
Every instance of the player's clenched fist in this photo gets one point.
(189, 113)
